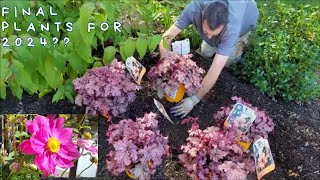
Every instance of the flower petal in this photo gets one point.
(39, 141)
(92, 149)
(30, 126)
(64, 163)
(46, 163)
(26, 148)
(55, 126)
(64, 135)
(69, 151)
(40, 122)
(59, 122)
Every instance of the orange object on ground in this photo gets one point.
(130, 175)
(176, 96)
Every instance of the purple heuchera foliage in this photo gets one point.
(138, 146)
(262, 125)
(174, 69)
(106, 90)
(214, 153)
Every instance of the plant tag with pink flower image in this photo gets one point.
(136, 69)
(241, 116)
(262, 157)
(162, 110)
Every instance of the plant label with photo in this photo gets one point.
(136, 69)
(162, 110)
(241, 116)
(263, 157)
(181, 47)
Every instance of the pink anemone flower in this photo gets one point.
(51, 144)
(87, 145)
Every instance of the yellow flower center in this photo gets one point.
(53, 145)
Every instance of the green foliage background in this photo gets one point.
(41, 70)
(283, 56)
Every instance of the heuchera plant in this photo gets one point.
(106, 90)
(214, 153)
(262, 125)
(138, 147)
(174, 69)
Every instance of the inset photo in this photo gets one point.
(56, 145)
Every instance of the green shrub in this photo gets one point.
(283, 55)
(46, 68)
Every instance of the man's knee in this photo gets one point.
(238, 51)
(207, 50)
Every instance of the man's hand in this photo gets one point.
(170, 34)
(185, 106)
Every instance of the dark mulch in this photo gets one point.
(295, 142)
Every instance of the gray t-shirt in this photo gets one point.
(243, 15)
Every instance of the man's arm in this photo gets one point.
(209, 80)
(170, 34)
(211, 77)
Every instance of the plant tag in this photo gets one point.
(181, 47)
(241, 116)
(136, 69)
(262, 157)
(162, 110)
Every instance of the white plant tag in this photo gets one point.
(181, 47)
(136, 69)
(162, 110)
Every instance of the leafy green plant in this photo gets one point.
(52, 64)
(283, 53)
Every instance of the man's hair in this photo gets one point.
(216, 14)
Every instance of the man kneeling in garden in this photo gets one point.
(224, 27)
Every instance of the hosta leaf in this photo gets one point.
(75, 34)
(58, 95)
(21, 76)
(59, 61)
(122, 52)
(129, 47)
(77, 63)
(109, 54)
(44, 92)
(69, 97)
(153, 42)
(3, 90)
(53, 77)
(26, 58)
(5, 72)
(16, 89)
(142, 45)
(85, 14)
(97, 64)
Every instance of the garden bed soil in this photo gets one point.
(295, 142)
